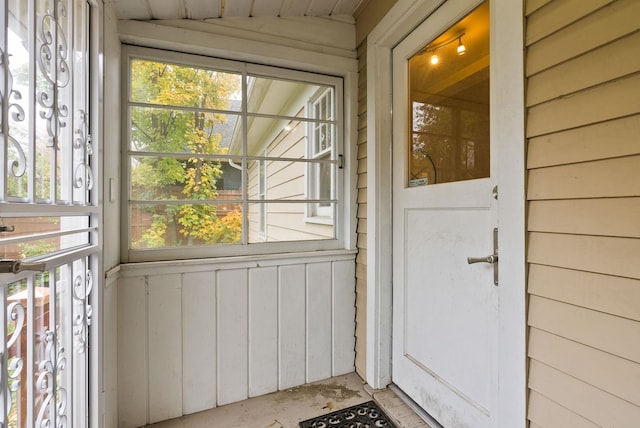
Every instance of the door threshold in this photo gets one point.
(415, 407)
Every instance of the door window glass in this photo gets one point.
(449, 104)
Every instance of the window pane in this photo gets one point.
(285, 222)
(186, 86)
(287, 180)
(288, 138)
(190, 156)
(36, 236)
(281, 97)
(450, 105)
(182, 131)
(185, 178)
(158, 226)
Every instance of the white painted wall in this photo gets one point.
(181, 337)
(195, 335)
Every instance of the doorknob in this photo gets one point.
(491, 259)
(17, 266)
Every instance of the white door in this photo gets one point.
(445, 310)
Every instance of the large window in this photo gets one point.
(228, 158)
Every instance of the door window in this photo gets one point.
(449, 104)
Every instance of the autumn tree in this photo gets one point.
(177, 119)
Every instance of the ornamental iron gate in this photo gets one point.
(49, 247)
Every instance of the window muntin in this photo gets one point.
(321, 148)
(250, 153)
(262, 194)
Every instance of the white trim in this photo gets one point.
(507, 50)
(97, 407)
(507, 18)
(242, 262)
(226, 43)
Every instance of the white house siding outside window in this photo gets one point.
(320, 175)
(228, 158)
(49, 238)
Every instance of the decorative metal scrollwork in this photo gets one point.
(48, 371)
(83, 175)
(15, 167)
(52, 60)
(82, 318)
(15, 314)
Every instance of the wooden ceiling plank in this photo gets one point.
(266, 8)
(345, 7)
(166, 9)
(321, 7)
(202, 9)
(294, 7)
(127, 9)
(236, 8)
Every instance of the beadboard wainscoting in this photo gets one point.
(194, 335)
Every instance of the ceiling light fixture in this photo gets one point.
(461, 48)
(433, 50)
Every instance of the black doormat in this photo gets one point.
(365, 415)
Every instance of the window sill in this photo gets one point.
(319, 220)
(235, 262)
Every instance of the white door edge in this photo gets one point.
(507, 49)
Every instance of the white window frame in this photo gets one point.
(318, 212)
(262, 194)
(344, 226)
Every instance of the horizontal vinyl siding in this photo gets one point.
(361, 259)
(583, 191)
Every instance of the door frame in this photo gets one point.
(507, 49)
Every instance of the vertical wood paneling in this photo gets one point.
(190, 341)
(132, 352)
(164, 331)
(291, 321)
(263, 330)
(232, 335)
(318, 321)
(198, 341)
(344, 313)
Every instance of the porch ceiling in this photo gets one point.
(209, 9)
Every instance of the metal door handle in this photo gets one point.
(493, 258)
(17, 266)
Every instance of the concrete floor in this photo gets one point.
(285, 409)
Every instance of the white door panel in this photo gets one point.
(444, 309)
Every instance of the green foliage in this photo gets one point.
(187, 130)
